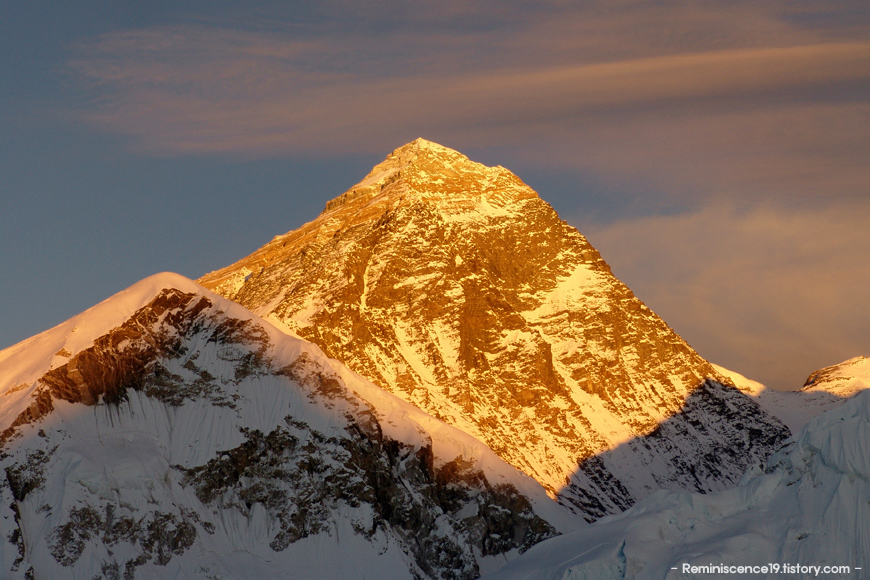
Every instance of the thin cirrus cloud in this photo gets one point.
(214, 90)
(754, 123)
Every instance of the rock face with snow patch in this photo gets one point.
(192, 439)
(454, 286)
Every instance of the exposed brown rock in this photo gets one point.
(454, 286)
(128, 357)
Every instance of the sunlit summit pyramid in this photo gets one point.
(455, 287)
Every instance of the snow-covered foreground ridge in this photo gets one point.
(170, 433)
(810, 505)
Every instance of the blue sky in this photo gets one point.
(714, 152)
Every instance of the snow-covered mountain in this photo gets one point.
(844, 380)
(170, 433)
(825, 389)
(455, 287)
(807, 509)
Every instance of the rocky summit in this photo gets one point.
(457, 288)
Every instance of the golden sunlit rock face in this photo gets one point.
(456, 287)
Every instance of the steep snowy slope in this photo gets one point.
(454, 286)
(170, 433)
(825, 389)
(810, 506)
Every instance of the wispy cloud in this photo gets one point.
(219, 90)
(720, 113)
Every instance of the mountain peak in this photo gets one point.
(421, 144)
(427, 172)
(844, 379)
(454, 286)
(422, 147)
(57, 345)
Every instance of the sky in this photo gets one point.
(716, 153)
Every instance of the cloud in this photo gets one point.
(218, 90)
(769, 292)
(719, 119)
(754, 153)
